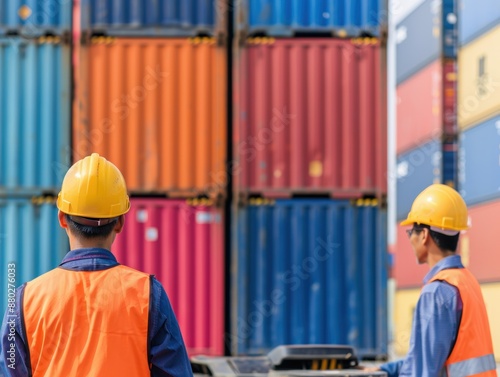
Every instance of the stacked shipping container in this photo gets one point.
(309, 120)
(151, 97)
(479, 123)
(35, 95)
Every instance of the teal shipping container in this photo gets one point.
(33, 18)
(31, 241)
(309, 271)
(34, 115)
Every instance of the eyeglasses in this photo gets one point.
(409, 232)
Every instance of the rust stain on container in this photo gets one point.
(157, 109)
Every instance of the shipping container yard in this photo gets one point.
(270, 150)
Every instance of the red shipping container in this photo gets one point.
(182, 243)
(419, 108)
(310, 116)
(480, 246)
(407, 272)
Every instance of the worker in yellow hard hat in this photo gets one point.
(92, 316)
(451, 333)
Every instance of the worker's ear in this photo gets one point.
(426, 236)
(62, 220)
(119, 224)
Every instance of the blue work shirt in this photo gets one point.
(435, 326)
(167, 354)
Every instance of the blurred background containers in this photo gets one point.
(309, 271)
(417, 169)
(479, 157)
(182, 244)
(427, 105)
(310, 116)
(179, 18)
(286, 18)
(33, 18)
(427, 33)
(404, 309)
(419, 108)
(34, 114)
(479, 79)
(157, 109)
(30, 238)
(479, 246)
(476, 18)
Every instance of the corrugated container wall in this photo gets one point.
(480, 246)
(407, 272)
(417, 169)
(310, 117)
(34, 115)
(30, 238)
(479, 157)
(157, 109)
(182, 243)
(426, 34)
(477, 17)
(285, 18)
(419, 108)
(32, 18)
(479, 80)
(155, 18)
(309, 272)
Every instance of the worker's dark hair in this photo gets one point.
(444, 242)
(90, 232)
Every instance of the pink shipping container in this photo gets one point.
(310, 117)
(480, 246)
(426, 106)
(182, 243)
(407, 272)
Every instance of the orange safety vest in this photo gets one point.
(472, 354)
(88, 323)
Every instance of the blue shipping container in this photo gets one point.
(310, 272)
(427, 33)
(31, 239)
(285, 17)
(476, 18)
(479, 162)
(34, 115)
(417, 169)
(152, 17)
(35, 17)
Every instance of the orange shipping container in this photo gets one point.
(157, 109)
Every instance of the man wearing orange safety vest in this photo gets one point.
(92, 316)
(451, 333)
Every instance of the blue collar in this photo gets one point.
(87, 256)
(453, 261)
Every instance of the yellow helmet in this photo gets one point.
(439, 206)
(94, 188)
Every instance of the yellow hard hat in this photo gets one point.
(439, 206)
(94, 188)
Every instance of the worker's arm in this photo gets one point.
(14, 360)
(435, 327)
(168, 354)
